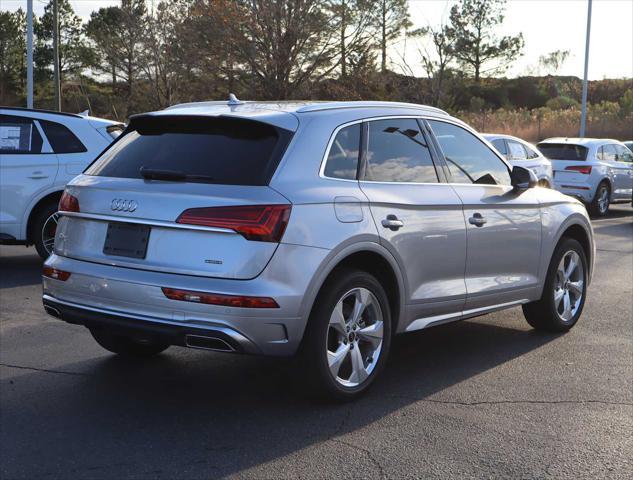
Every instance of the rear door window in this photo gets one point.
(517, 152)
(61, 138)
(342, 159)
(563, 151)
(608, 153)
(500, 145)
(397, 151)
(19, 135)
(219, 150)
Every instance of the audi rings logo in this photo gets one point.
(121, 205)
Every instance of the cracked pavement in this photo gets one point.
(487, 397)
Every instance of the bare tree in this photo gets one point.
(437, 60)
(280, 44)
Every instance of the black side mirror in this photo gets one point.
(523, 178)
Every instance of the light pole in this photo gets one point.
(583, 115)
(29, 54)
(56, 80)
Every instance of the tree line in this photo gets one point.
(130, 58)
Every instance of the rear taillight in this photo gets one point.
(68, 203)
(264, 223)
(219, 299)
(51, 272)
(584, 169)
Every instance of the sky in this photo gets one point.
(547, 25)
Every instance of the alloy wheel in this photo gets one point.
(354, 337)
(603, 200)
(48, 232)
(569, 286)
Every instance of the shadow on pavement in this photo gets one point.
(20, 270)
(196, 414)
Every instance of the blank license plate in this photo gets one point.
(126, 240)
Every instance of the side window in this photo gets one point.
(469, 159)
(600, 154)
(624, 154)
(19, 135)
(500, 144)
(61, 138)
(608, 153)
(342, 159)
(530, 153)
(517, 152)
(397, 151)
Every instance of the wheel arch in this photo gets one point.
(372, 258)
(583, 234)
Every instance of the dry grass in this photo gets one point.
(603, 121)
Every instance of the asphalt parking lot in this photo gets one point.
(487, 397)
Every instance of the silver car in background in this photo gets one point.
(596, 171)
(521, 153)
(319, 229)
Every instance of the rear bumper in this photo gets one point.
(123, 297)
(214, 337)
(582, 191)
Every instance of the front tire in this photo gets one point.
(348, 336)
(599, 206)
(565, 291)
(127, 346)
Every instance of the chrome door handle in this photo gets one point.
(392, 223)
(477, 219)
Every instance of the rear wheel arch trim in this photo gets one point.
(337, 258)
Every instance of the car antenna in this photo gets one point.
(233, 100)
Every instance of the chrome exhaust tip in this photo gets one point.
(208, 343)
(52, 311)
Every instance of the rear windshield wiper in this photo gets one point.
(172, 175)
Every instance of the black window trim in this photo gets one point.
(449, 175)
(40, 130)
(364, 138)
(365, 146)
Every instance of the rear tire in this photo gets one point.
(344, 353)
(127, 346)
(565, 291)
(43, 228)
(599, 206)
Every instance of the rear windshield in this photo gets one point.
(563, 151)
(211, 150)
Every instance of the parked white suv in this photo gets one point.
(40, 152)
(597, 171)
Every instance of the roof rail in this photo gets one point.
(231, 102)
(38, 110)
(316, 107)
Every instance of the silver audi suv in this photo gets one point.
(319, 229)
